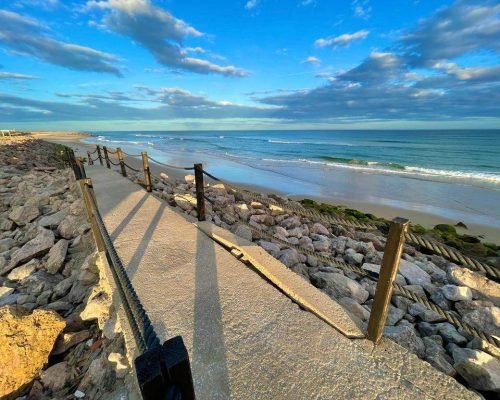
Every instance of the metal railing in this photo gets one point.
(399, 232)
(163, 370)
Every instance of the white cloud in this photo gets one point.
(251, 4)
(361, 9)
(160, 32)
(342, 40)
(312, 60)
(305, 3)
(26, 36)
(14, 75)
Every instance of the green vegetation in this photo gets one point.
(444, 233)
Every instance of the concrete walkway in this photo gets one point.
(246, 339)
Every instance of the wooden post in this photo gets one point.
(88, 190)
(106, 156)
(89, 158)
(200, 191)
(147, 174)
(120, 159)
(99, 154)
(388, 271)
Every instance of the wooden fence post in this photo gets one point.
(106, 156)
(88, 190)
(120, 159)
(388, 271)
(89, 158)
(99, 154)
(147, 174)
(200, 191)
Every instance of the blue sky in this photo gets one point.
(249, 64)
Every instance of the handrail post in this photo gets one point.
(89, 158)
(388, 271)
(99, 154)
(81, 169)
(106, 156)
(74, 164)
(120, 159)
(147, 174)
(88, 190)
(200, 191)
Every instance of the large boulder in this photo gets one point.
(483, 287)
(486, 319)
(339, 286)
(479, 369)
(36, 247)
(25, 344)
(21, 215)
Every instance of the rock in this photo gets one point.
(68, 340)
(479, 344)
(401, 302)
(417, 290)
(256, 205)
(190, 179)
(96, 308)
(271, 248)
(43, 298)
(485, 319)
(416, 309)
(440, 362)
(339, 244)
(244, 231)
(440, 300)
(431, 316)
(21, 215)
(63, 287)
(289, 257)
(352, 257)
(322, 243)
(70, 226)
(407, 337)
(120, 364)
(483, 287)
(479, 369)
(243, 211)
(276, 210)
(354, 308)
(7, 244)
(99, 374)
(79, 394)
(36, 247)
(53, 220)
(6, 224)
(25, 270)
(413, 274)
(291, 222)
(25, 298)
(394, 315)
(110, 329)
(319, 229)
(57, 255)
(54, 378)
(25, 345)
(465, 307)
(338, 285)
(5, 291)
(456, 293)
(450, 334)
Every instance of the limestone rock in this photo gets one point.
(70, 226)
(479, 369)
(25, 345)
(413, 273)
(54, 378)
(339, 286)
(120, 364)
(485, 288)
(53, 220)
(186, 201)
(57, 255)
(36, 247)
(21, 215)
(486, 319)
(456, 293)
(23, 271)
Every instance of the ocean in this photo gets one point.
(450, 174)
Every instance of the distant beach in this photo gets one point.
(387, 173)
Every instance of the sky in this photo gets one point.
(249, 64)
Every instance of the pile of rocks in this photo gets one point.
(469, 295)
(58, 335)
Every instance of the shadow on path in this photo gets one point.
(129, 217)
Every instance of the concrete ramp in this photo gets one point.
(246, 338)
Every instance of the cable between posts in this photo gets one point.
(169, 165)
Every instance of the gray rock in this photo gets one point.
(301, 269)
(53, 220)
(23, 271)
(413, 274)
(44, 297)
(271, 248)
(63, 287)
(401, 302)
(36, 247)
(417, 289)
(8, 299)
(406, 336)
(465, 307)
(486, 319)
(479, 369)
(339, 244)
(450, 334)
(306, 242)
(354, 308)
(289, 257)
(7, 244)
(441, 363)
(369, 286)
(321, 243)
(57, 255)
(25, 298)
(456, 293)
(394, 315)
(440, 300)
(69, 227)
(416, 309)
(21, 215)
(431, 316)
(319, 229)
(479, 344)
(244, 231)
(433, 345)
(6, 224)
(5, 291)
(352, 257)
(339, 286)
(291, 222)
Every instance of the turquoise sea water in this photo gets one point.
(458, 156)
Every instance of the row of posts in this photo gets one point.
(390, 262)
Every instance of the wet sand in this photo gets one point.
(381, 195)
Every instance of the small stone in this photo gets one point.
(354, 308)
(79, 394)
(394, 315)
(110, 329)
(413, 273)
(53, 220)
(431, 316)
(319, 229)
(450, 334)
(322, 243)
(479, 369)
(5, 291)
(54, 377)
(69, 340)
(245, 232)
(338, 285)
(406, 336)
(456, 293)
(271, 248)
(417, 289)
(416, 309)
(19, 273)
(22, 215)
(289, 257)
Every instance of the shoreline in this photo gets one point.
(378, 206)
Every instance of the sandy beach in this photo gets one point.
(376, 203)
